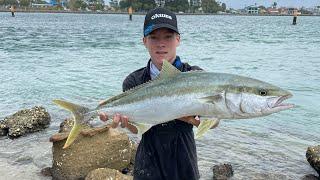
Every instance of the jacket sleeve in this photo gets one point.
(195, 68)
(128, 83)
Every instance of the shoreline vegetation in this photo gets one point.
(137, 13)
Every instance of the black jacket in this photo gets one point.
(166, 151)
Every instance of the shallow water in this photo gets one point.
(85, 57)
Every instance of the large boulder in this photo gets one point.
(25, 121)
(313, 157)
(106, 173)
(94, 148)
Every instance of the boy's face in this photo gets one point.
(162, 44)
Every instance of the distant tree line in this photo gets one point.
(71, 4)
(86, 4)
(208, 6)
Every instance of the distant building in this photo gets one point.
(273, 11)
(196, 3)
(317, 10)
(160, 3)
(252, 10)
(292, 10)
(114, 3)
(283, 11)
(262, 11)
(53, 3)
(36, 5)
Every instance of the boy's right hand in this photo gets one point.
(118, 119)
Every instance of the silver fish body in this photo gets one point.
(176, 94)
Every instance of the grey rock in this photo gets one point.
(310, 177)
(269, 176)
(46, 171)
(106, 173)
(222, 172)
(67, 124)
(94, 148)
(25, 121)
(313, 157)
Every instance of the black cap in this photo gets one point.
(159, 18)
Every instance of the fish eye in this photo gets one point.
(263, 92)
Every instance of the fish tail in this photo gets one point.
(79, 117)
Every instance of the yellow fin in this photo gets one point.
(142, 128)
(75, 131)
(79, 117)
(205, 125)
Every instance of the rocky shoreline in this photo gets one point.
(99, 153)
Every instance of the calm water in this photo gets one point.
(84, 58)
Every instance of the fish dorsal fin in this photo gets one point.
(168, 70)
(129, 91)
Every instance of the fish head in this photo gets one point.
(248, 97)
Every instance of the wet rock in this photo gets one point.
(66, 125)
(106, 173)
(221, 172)
(4, 129)
(25, 121)
(310, 177)
(94, 148)
(133, 147)
(269, 176)
(24, 160)
(313, 157)
(46, 171)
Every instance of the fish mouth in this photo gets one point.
(280, 105)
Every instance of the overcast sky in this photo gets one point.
(239, 4)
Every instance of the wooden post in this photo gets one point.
(295, 15)
(130, 13)
(12, 10)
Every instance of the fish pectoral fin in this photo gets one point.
(205, 125)
(142, 128)
(211, 99)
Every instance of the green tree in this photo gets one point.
(145, 5)
(210, 6)
(124, 4)
(77, 4)
(223, 7)
(274, 5)
(262, 7)
(2, 2)
(10, 2)
(96, 4)
(177, 5)
(25, 3)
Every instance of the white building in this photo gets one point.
(252, 10)
(317, 10)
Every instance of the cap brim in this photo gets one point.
(158, 26)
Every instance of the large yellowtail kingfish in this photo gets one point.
(174, 94)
